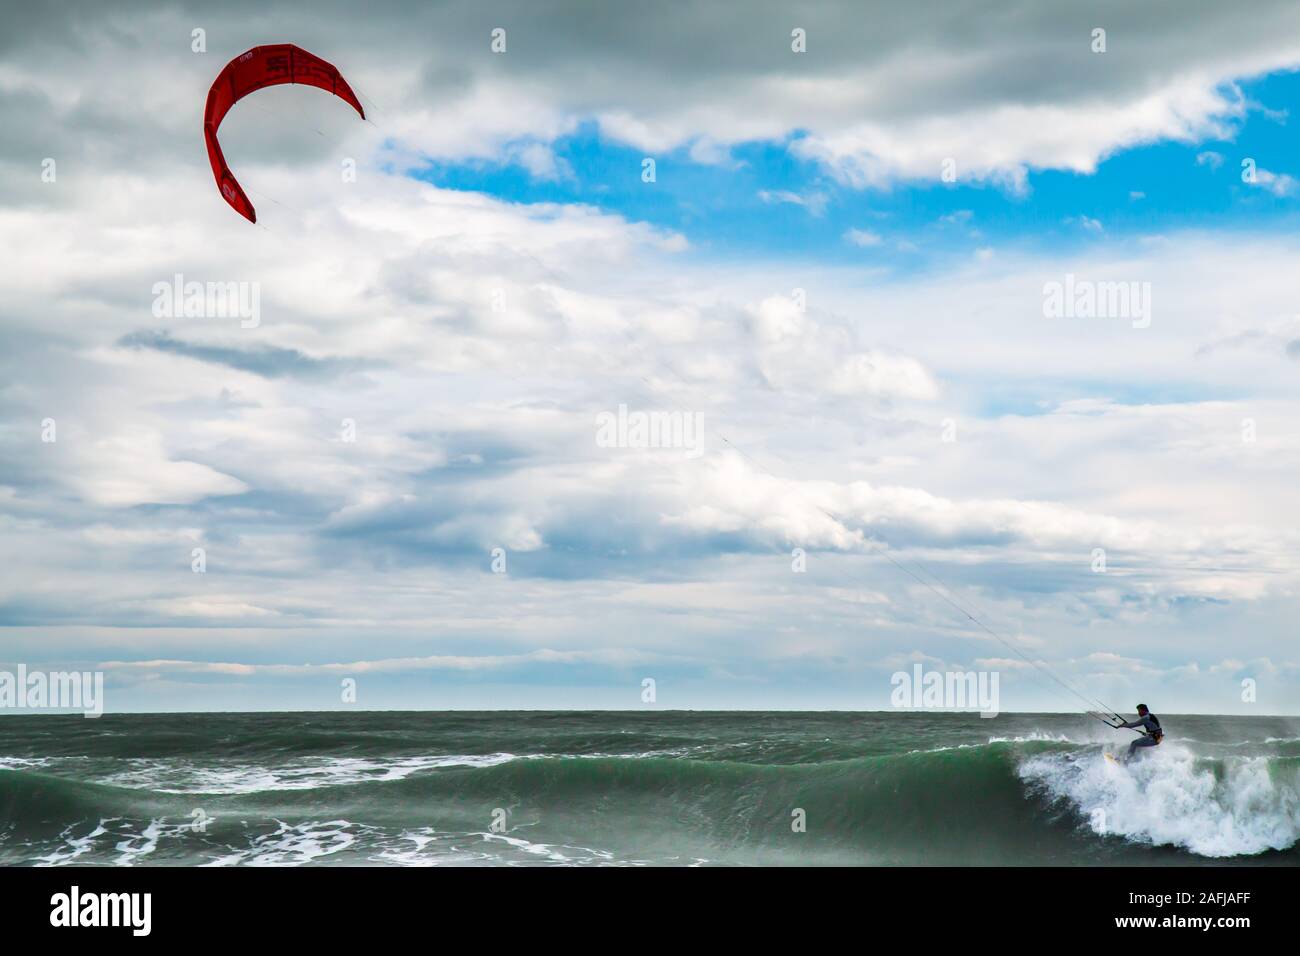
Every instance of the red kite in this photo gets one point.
(260, 67)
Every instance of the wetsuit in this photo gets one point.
(1152, 734)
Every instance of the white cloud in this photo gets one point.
(1003, 141)
(797, 352)
(1086, 223)
(862, 237)
(1279, 184)
(542, 163)
(815, 203)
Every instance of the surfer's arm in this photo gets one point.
(1143, 722)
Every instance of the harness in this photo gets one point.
(1157, 734)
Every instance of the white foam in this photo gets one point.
(20, 763)
(309, 774)
(75, 846)
(135, 846)
(295, 844)
(1169, 797)
(550, 852)
(131, 843)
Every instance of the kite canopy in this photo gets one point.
(260, 67)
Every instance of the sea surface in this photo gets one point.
(647, 788)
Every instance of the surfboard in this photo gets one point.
(1112, 758)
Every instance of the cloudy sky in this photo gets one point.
(838, 270)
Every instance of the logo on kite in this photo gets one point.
(261, 67)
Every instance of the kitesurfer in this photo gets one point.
(1150, 727)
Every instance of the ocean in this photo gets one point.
(673, 788)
